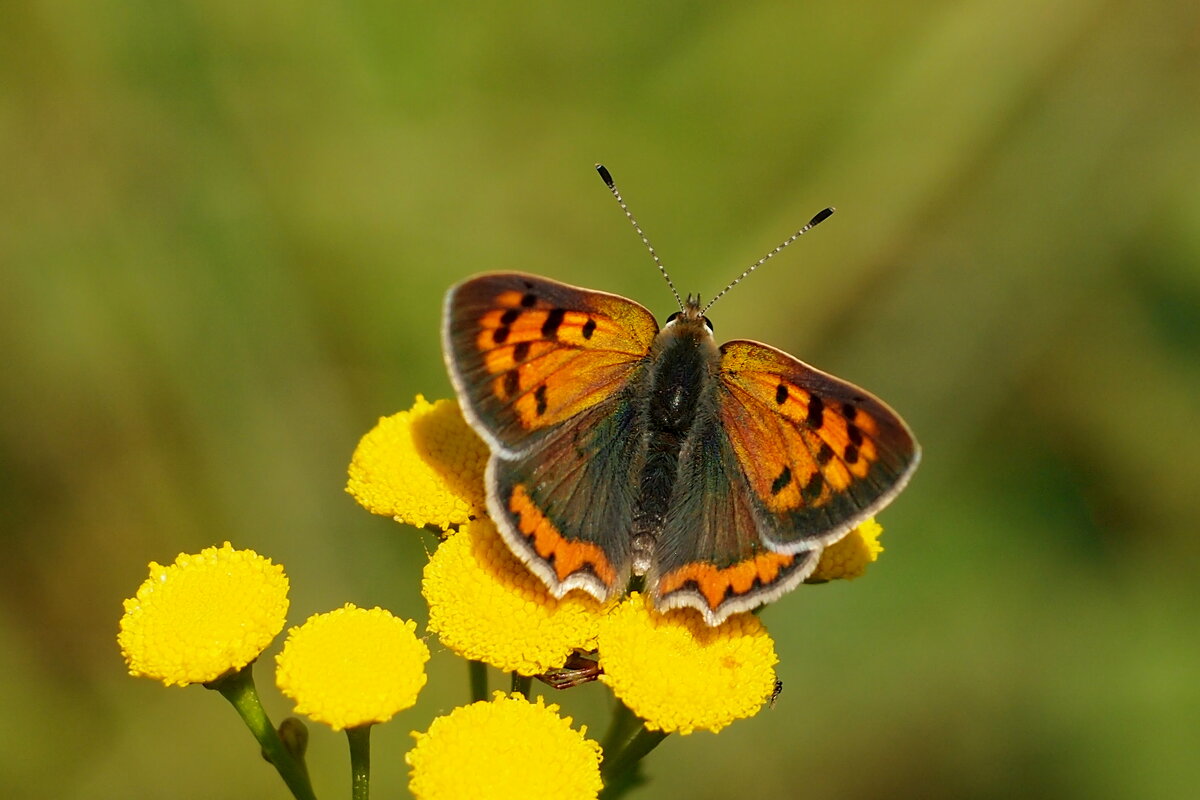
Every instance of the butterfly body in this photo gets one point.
(618, 449)
(675, 398)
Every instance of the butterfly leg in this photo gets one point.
(580, 669)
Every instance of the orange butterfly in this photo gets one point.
(617, 449)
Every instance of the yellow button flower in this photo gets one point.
(506, 748)
(678, 674)
(204, 616)
(423, 466)
(848, 557)
(352, 666)
(486, 605)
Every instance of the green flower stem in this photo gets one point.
(477, 671)
(360, 761)
(521, 684)
(627, 743)
(624, 725)
(238, 689)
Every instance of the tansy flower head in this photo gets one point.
(203, 616)
(486, 605)
(506, 748)
(678, 674)
(423, 466)
(352, 667)
(848, 557)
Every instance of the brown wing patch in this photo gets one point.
(565, 557)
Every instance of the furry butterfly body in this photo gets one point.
(717, 474)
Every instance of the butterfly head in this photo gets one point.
(692, 315)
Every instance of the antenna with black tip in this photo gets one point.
(820, 217)
(607, 177)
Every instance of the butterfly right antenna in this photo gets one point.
(820, 217)
(607, 177)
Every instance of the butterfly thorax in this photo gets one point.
(678, 393)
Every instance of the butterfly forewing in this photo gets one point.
(526, 353)
(820, 454)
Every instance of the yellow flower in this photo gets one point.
(352, 667)
(506, 748)
(848, 557)
(203, 616)
(423, 466)
(678, 674)
(486, 605)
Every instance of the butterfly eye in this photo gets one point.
(708, 324)
(672, 318)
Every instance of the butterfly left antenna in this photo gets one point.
(607, 177)
(820, 217)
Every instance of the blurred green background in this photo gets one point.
(226, 229)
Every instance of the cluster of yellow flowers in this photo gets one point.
(208, 617)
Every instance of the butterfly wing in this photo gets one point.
(543, 372)
(819, 455)
(567, 507)
(526, 354)
(710, 553)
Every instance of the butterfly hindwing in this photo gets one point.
(710, 554)
(526, 353)
(820, 455)
(566, 507)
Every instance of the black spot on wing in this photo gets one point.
(510, 316)
(520, 352)
(589, 328)
(812, 489)
(855, 434)
(824, 454)
(553, 320)
(782, 480)
(539, 396)
(529, 300)
(816, 412)
(781, 394)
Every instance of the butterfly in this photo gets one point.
(716, 474)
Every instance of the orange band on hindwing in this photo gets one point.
(718, 584)
(566, 557)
